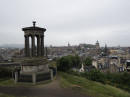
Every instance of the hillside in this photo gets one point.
(91, 88)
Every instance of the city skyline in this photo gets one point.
(73, 21)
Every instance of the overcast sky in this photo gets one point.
(73, 21)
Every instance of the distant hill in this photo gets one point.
(12, 46)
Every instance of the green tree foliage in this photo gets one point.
(88, 61)
(67, 62)
(94, 75)
(120, 80)
(76, 62)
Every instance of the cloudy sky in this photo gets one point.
(73, 21)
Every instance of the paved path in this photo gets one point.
(52, 89)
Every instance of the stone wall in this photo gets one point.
(36, 68)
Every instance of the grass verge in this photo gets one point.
(6, 82)
(10, 83)
(91, 88)
(5, 95)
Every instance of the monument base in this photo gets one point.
(34, 70)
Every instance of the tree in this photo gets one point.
(67, 62)
(88, 61)
(76, 62)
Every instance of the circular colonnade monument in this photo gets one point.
(34, 66)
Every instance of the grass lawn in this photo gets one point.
(4, 95)
(10, 83)
(91, 88)
(6, 82)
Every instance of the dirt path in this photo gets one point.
(52, 89)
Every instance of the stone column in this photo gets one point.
(38, 46)
(33, 45)
(25, 49)
(42, 45)
(46, 52)
(28, 49)
(34, 78)
(16, 77)
(51, 72)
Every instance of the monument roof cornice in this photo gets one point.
(33, 28)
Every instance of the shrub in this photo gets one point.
(95, 75)
(88, 61)
(68, 62)
(5, 72)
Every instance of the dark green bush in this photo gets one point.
(94, 75)
(88, 61)
(5, 72)
(120, 80)
(68, 62)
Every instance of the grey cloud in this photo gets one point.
(73, 21)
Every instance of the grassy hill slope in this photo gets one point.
(91, 88)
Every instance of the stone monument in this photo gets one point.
(34, 32)
(34, 66)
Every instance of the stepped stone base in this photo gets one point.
(34, 70)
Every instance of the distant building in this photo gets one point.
(97, 45)
(68, 44)
(108, 63)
